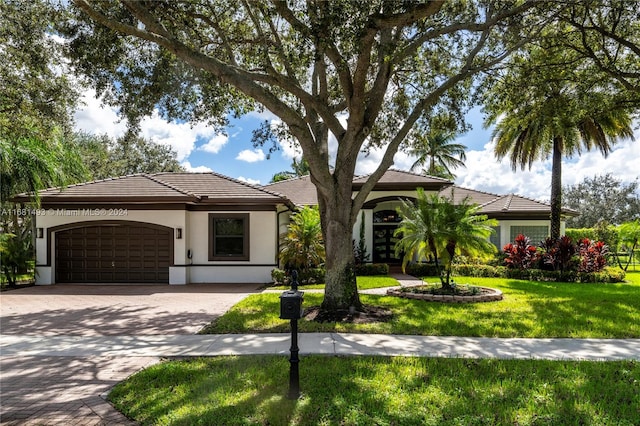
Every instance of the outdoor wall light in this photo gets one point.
(39, 233)
(178, 233)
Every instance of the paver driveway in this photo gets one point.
(67, 390)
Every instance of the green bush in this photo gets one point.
(368, 269)
(422, 269)
(577, 234)
(310, 276)
(477, 270)
(608, 275)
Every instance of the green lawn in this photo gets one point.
(529, 309)
(250, 390)
(382, 391)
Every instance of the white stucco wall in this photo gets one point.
(262, 250)
(195, 237)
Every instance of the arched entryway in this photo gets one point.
(385, 220)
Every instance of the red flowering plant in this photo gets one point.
(592, 255)
(560, 254)
(521, 254)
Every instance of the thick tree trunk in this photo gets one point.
(341, 291)
(556, 188)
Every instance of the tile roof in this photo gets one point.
(494, 204)
(160, 188)
(393, 176)
(302, 192)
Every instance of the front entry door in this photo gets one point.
(384, 244)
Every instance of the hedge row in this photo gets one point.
(608, 275)
(316, 275)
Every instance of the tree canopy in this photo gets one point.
(128, 154)
(553, 102)
(602, 198)
(361, 72)
(35, 95)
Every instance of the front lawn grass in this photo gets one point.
(250, 390)
(529, 309)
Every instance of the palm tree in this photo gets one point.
(545, 131)
(435, 149)
(28, 164)
(433, 225)
(302, 246)
(546, 106)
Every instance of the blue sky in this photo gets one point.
(200, 149)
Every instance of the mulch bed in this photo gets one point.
(367, 314)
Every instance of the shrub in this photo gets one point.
(279, 276)
(366, 269)
(521, 254)
(308, 276)
(592, 255)
(559, 254)
(422, 269)
(477, 270)
(577, 234)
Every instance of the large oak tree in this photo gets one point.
(360, 72)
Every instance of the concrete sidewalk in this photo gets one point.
(319, 343)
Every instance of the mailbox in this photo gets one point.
(291, 304)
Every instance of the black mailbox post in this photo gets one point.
(291, 309)
(291, 304)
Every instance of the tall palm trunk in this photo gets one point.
(556, 187)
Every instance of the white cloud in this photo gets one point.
(95, 118)
(215, 144)
(198, 169)
(249, 180)
(485, 173)
(98, 119)
(251, 156)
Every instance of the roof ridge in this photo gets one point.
(250, 185)
(170, 185)
(79, 184)
(496, 196)
(408, 172)
(507, 203)
(287, 180)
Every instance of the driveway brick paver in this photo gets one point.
(48, 390)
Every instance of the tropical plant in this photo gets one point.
(435, 225)
(520, 254)
(436, 150)
(28, 164)
(302, 247)
(300, 168)
(593, 255)
(547, 105)
(559, 254)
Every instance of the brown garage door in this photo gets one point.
(114, 253)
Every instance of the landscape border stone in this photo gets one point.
(494, 295)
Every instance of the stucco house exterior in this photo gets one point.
(181, 228)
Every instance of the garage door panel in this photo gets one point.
(114, 253)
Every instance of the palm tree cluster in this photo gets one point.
(434, 227)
